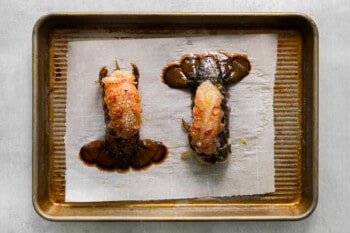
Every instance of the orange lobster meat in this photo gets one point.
(207, 119)
(123, 102)
(122, 147)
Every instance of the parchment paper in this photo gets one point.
(250, 168)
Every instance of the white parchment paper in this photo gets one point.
(250, 168)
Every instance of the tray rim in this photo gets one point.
(44, 209)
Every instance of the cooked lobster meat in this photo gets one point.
(208, 76)
(122, 147)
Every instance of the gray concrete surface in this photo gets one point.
(16, 22)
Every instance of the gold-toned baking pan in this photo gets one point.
(295, 108)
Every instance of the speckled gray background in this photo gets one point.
(17, 19)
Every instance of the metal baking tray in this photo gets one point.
(295, 116)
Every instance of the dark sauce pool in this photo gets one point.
(122, 155)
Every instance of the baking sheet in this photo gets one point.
(250, 169)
